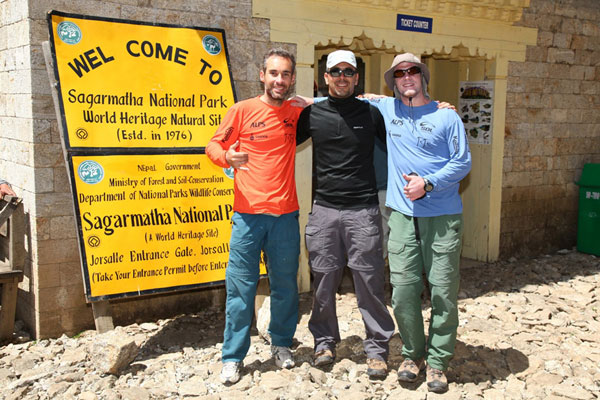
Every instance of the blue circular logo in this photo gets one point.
(211, 44)
(69, 32)
(229, 172)
(90, 172)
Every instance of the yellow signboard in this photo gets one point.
(138, 102)
(135, 85)
(152, 221)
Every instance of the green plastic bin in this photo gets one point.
(588, 223)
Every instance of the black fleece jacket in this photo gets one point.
(343, 133)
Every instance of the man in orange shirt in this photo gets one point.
(257, 137)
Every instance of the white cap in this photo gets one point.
(340, 56)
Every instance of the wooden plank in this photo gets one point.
(7, 313)
(10, 276)
(17, 239)
(102, 316)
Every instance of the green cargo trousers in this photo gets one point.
(431, 245)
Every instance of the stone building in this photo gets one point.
(542, 56)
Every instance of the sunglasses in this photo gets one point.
(337, 72)
(399, 73)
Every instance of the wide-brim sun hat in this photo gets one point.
(388, 76)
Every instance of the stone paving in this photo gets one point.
(529, 329)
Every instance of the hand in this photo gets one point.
(370, 96)
(236, 158)
(6, 190)
(302, 101)
(415, 188)
(443, 104)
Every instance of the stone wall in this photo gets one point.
(51, 298)
(552, 126)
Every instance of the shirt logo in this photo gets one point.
(397, 122)
(427, 127)
(228, 133)
(258, 124)
(289, 122)
(258, 137)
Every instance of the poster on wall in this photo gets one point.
(137, 103)
(475, 106)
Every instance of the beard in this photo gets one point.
(280, 94)
(342, 92)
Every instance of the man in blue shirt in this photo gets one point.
(428, 155)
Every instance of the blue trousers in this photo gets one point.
(279, 238)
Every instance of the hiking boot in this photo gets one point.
(409, 370)
(436, 380)
(324, 357)
(282, 356)
(376, 368)
(230, 373)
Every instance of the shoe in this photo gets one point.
(409, 370)
(283, 357)
(436, 380)
(376, 368)
(230, 373)
(324, 357)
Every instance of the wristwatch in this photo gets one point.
(428, 185)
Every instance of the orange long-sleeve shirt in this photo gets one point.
(268, 134)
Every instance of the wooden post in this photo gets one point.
(16, 252)
(10, 282)
(102, 316)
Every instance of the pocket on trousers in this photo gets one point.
(446, 259)
(396, 248)
(446, 247)
(312, 238)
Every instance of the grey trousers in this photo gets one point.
(336, 238)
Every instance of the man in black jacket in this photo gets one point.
(344, 227)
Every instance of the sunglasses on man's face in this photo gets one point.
(399, 73)
(337, 72)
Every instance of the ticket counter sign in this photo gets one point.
(130, 84)
(151, 223)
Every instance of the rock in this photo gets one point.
(317, 376)
(87, 396)
(113, 351)
(56, 389)
(528, 330)
(193, 387)
(73, 356)
(571, 392)
(134, 393)
(263, 319)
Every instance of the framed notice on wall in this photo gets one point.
(137, 102)
(475, 107)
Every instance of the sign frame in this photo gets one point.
(70, 151)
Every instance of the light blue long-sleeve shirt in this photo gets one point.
(430, 142)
